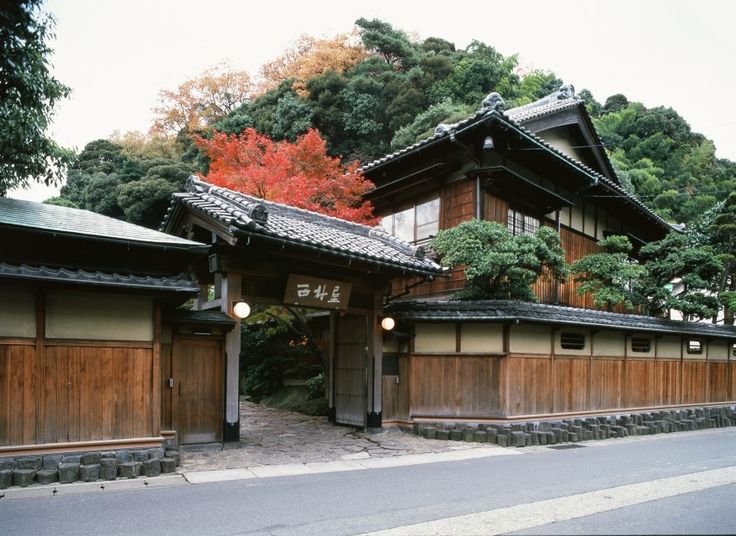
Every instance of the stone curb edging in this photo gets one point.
(94, 466)
(553, 432)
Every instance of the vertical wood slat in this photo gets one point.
(155, 385)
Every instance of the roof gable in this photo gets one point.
(238, 216)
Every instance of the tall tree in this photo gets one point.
(723, 238)
(28, 95)
(499, 265)
(299, 174)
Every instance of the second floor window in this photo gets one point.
(519, 223)
(415, 223)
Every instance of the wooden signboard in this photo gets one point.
(317, 292)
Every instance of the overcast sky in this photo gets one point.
(117, 54)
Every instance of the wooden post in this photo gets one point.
(230, 291)
(375, 370)
(156, 372)
(331, 366)
(40, 372)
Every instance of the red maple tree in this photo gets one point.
(300, 174)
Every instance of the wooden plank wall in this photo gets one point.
(395, 393)
(454, 386)
(166, 391)
(463, 386)
(75, 391)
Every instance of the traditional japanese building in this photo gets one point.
(541, 164)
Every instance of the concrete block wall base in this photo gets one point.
(553, 432)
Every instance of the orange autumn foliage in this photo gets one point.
(300, 174)
(310, 57)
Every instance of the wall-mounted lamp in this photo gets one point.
(488, 144)
(241, 309)
(388, 323)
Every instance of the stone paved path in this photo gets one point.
(271, 437)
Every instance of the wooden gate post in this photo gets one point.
(375, 364)
(230, 291)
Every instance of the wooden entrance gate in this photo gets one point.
(198, 390)
(351, 353)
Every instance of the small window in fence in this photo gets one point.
(572, 341)
(694, 347)
(641, 344)
(733, 350)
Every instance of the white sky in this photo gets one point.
(117, 54)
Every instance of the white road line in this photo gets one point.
(526, 516)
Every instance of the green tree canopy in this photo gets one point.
(610, 275)
(28, 95)
(499, 265)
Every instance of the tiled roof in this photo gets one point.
(516, 118)
(128, 281)
(213, 317)
(300, 227)
(500, 310)
(74, 221)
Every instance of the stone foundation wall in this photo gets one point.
(87, 466)
(552, 432)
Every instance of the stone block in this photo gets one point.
(6, 478)
(572, 437)
(502, 440)
(129, 469)
(138, 455)
(492, 435)
(68, 472)
(468, 434)
(23, 477)
(7, 463)
(108, 454)
(167, 465)
(480, 436)
(89, 472)
(90, 458)
(72, 458)
(443, 434)
(456, 435)
(51, 461)
(428, 432)
(47, 476)
(155, 453)
(176, 456)
(122, 456)
(151, 467)
(29, 462)
(551, 439)
(108, 468)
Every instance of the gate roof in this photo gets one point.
(241, 217)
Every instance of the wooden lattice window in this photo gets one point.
(694, 346)
(569, 340)
(641, 344)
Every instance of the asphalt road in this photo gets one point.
(539, 481)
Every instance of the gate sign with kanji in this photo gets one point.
(317, 292)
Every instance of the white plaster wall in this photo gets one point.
(99, 316)
(668, 347)
(17, 312)
(609, 344)
(484, 337)
(530, 339)
(435, 338)
(718, 350)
